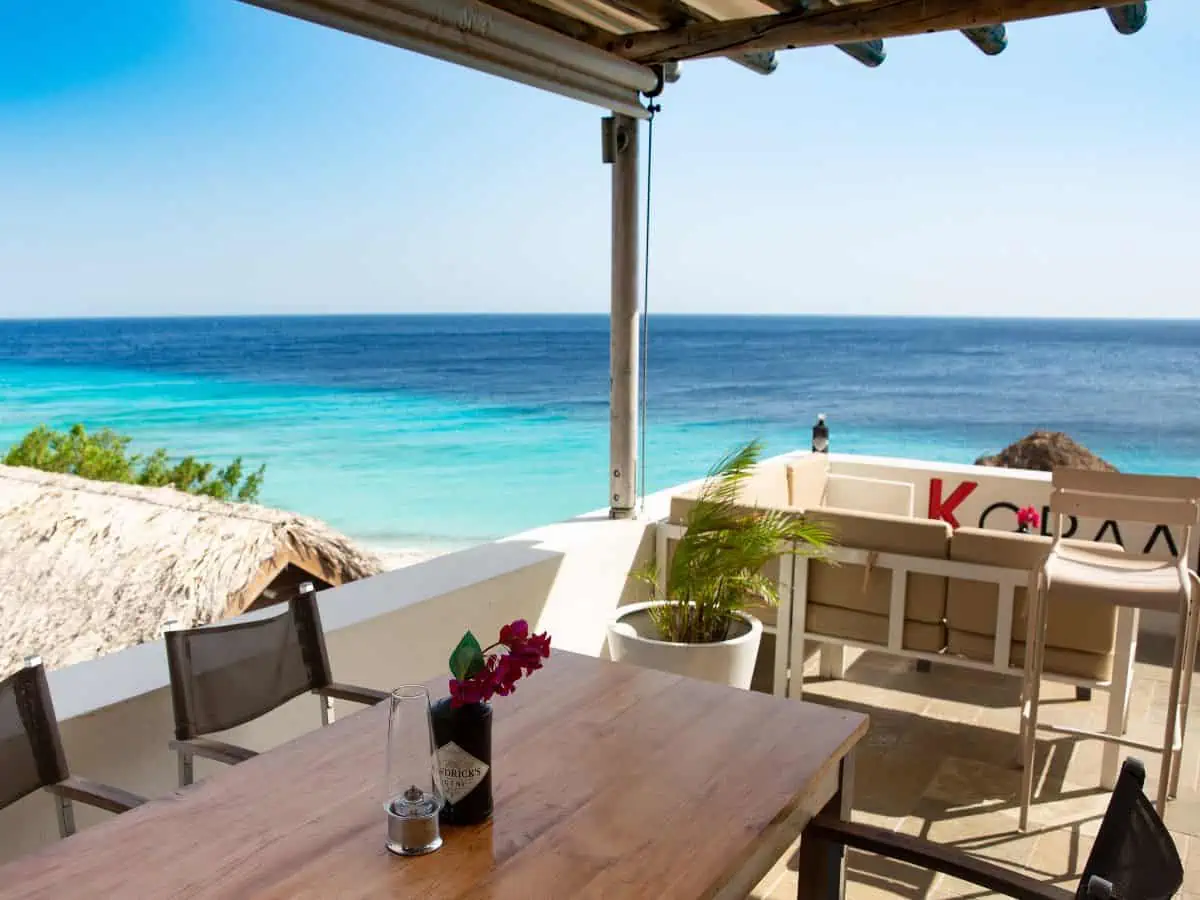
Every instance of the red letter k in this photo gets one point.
(944, 509)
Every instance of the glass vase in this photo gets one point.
(414, 795)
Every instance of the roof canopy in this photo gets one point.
(612, 52)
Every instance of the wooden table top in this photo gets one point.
(608, 780)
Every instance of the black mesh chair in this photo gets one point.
(1133, 858)
(225, 675)
(31, 752)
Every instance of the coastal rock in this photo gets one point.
(1042, 451)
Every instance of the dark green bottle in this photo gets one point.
(464, 747)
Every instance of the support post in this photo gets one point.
(621, 151)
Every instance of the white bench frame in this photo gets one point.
(792, 621)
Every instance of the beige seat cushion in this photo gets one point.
(1059, 660)
(1118, 579)
(1076, 620)
(860, 626)
(851, 587)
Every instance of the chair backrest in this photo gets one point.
(1133, 849)
(31, 753)
(225, 675)
(1148, 499)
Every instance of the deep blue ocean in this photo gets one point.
(437, 431)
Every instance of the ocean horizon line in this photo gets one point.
(574, 314)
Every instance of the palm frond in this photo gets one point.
(717, 567)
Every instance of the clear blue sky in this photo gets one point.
(173, 157)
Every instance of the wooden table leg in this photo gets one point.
(822, 865)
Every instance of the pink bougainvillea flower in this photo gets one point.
(541, 643)
(514, 633)
(504, 679)
(472, 690)
(497, 673)
(1029, 516)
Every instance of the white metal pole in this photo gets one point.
(622, 136)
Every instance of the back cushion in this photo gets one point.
(851, 587)
(1075, 622)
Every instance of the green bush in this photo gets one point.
(105, 456)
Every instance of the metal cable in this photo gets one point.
(645, 337)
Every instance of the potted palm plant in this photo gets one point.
(700, 626)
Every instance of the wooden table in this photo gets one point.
(609, 781)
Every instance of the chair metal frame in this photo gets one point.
(36, 707)
(190, 743)
(831, 830)
(1147, 499)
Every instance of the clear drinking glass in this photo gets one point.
(414, 787)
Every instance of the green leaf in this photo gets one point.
(467, 658)
(717, 567)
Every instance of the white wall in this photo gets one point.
(381, 632)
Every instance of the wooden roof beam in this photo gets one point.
(1128, 19)
(670, 14)
(991, 39)
(869, 53)
(867, 21)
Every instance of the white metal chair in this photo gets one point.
(1129, 581)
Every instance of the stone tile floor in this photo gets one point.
(940, 762)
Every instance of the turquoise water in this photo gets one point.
(435, 432)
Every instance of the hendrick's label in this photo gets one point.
(464, 751)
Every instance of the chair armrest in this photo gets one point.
(928, 855)
(104, 796)
(353, 693)
(229, 754)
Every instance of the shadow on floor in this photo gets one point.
(940, 762)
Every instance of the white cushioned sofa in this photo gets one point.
(914, 587)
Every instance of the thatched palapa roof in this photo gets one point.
(1044, 451)
(89, 567)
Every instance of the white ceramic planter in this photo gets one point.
(728, 662)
